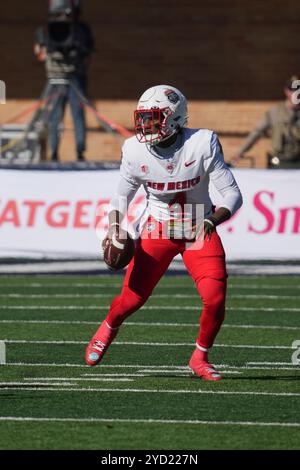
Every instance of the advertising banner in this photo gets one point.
(64, 213)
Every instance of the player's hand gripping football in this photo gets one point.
(118, 248)
(114, 231)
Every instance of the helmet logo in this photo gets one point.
(172, 96)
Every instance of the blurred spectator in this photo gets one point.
(282, 124)
(65, 45)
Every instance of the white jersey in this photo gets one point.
(180, 172)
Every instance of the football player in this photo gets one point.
(174, 164)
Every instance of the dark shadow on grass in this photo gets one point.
(16, 396)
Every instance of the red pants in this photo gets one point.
(150, 262)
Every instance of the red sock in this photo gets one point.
(201, 354)
(105, 333)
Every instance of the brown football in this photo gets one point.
(118, 252)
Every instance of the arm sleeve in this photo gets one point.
(260, 130)
(222, 178)
(127, 188)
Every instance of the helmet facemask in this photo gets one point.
(160, 114)
(150, 125)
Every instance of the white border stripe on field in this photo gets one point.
(155, 324)
(260, 366)
(268, 363)
(90, 377)
(147, 421)
(149, 390)
(4, 385)
(155, 296)
(59, 384)
(160, 286)
(150, 307)
(137, 343)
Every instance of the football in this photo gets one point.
(118, 252)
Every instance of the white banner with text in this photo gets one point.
(64, 213)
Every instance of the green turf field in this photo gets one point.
(143, 396)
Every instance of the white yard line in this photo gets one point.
(163, 324)
(92, 378)
(258, 296)
(251, 346)
(140, 343)
(150, 307)
(155, 296)
(119, 376)
(260, 366)
(66, 296)
(37, 285)
(184, 373)
(262, 327)
(53, 364)
(2, 353)
(64, 382)
(50, 322)
(155, 391)
(40, 384)
(155, 324)
(264, 286)
(150, 421)
(262, 363)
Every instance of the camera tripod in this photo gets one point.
(56, 89)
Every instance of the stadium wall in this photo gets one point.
(216, 50)
(231, 120)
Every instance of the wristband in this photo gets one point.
(210, 222)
